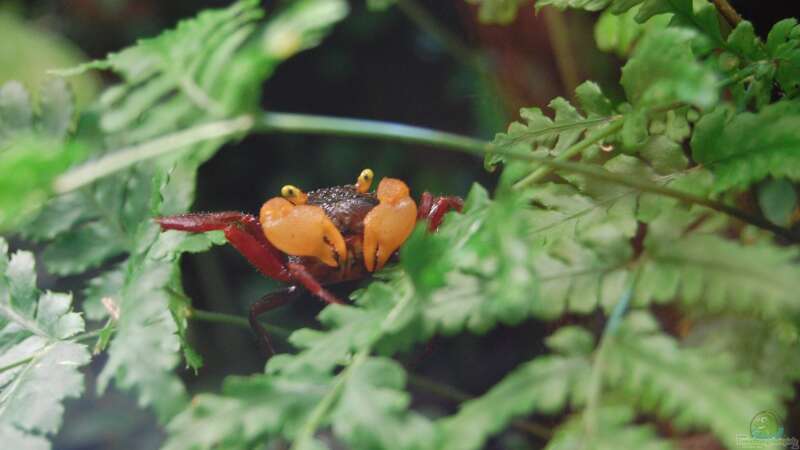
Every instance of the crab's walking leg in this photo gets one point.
(267, 303)
(433, 208)
(302, 276)
(242, 231)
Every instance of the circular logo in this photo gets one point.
(766, 425)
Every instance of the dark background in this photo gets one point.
(377, 65)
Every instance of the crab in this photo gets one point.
(320, 238)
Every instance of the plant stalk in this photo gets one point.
(289, 123)
(237, 321)
(728, 12)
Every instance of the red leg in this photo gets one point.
(267, 303)
(433, 209)
(302, 276)
(242, 231)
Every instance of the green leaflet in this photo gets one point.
(498, 11)
(489, 256)
(619, 32)
(663, 70)
(552, 136)
(372, 410)
(721, 274)
(681, 384)
(35, 351)
(615, 429)
(249, 410)
(33, 147)
(745, 148)
(547, 384)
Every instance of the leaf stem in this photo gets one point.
(728, 12)
(274, 122)
(306, 433)
(126, 157)
(230, 319)
(290, 123)
(572, 151)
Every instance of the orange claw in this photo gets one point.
(302, 230)
(389, 224)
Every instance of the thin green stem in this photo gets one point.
(126, 157)
(16, 364)
(237, 321)
(306, 433)
(598, 367)
(273, 122)
(289, 123)
(571, 152)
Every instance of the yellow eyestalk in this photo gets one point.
(364, 181)
(294, 194)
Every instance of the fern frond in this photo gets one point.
(39, 360)
(614, 430)
(690, 389)
(546, 385)
(745, 148)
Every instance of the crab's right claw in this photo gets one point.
(302, 230)
(388, 225)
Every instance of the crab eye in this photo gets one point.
(364, 180)
(293, 194)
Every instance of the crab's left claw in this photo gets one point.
(302, 230)
(389, 224)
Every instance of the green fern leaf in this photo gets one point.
(553, 136)
(249, 410)
(663, 70)
(32, 147)
(372, 410)
(487, 272)
(36, 351)
(544, 385)
(746, 148)
(720, 274)
(614, 431)
(683, 385)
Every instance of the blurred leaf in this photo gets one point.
(39, 365)
(663, 70)
(778, 201)
(247, 412)
(745, 148)
(615, 429)
(497, 11)
(708, 392)
(33, 51)
(619, 32)
(586, 5)
(372, 410)
(545, 385)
